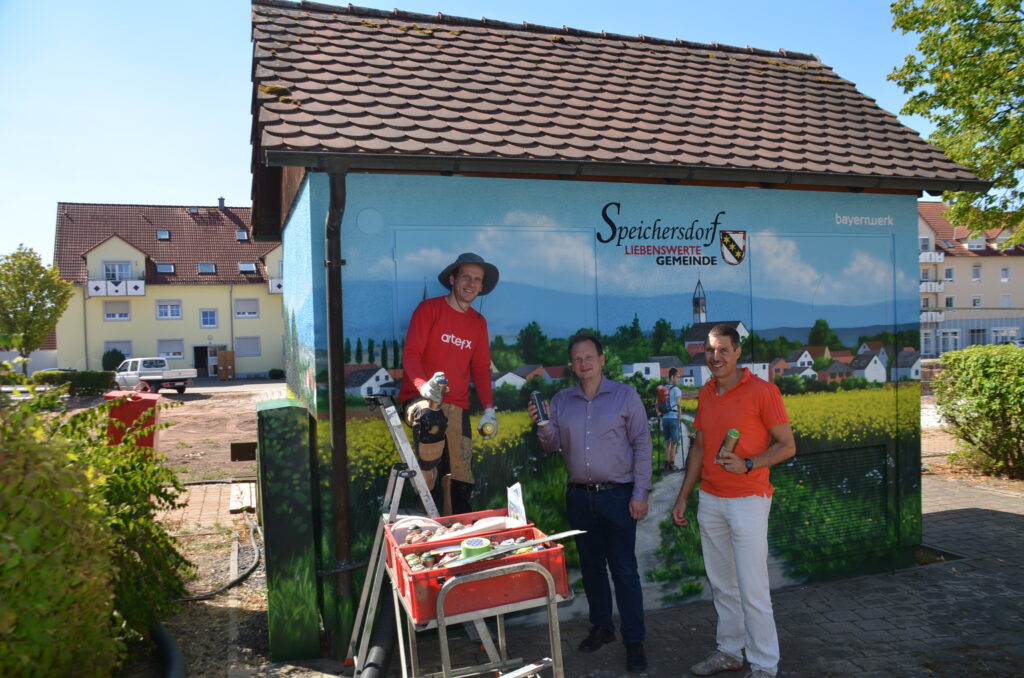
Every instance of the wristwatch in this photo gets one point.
(750, 464)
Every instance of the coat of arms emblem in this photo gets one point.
(734, 246)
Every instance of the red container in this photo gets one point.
(392, 545)
(134, 409)
(420, 589)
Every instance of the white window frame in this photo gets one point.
(976, 244)
(242, 314)
(948, 274)
(169, 354)
(167, 268)
(1002, 335)
(926, 342)
(1006, 300)
(976, 301)
(247, 267)
(950, 340)
(924, 243)
(1004, 274)
(972, 334)
(116, 268)
(975, 272)
(926, 275)
(210, 266)
(113, 316)
(216, 318)
(119, 344)
(165, 309)
(241, 235)
(244, 346)
(950, 302)
(163, 234)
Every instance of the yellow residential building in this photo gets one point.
(972, 288)
(175, 281)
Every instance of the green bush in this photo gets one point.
(132, 484)
(109, 528)
(275, 373)
(980, 394)
(79, 383)
(111, 359)
(56, 572)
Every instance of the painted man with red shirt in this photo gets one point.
(448, 336)
(735, 499)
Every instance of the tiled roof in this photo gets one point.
(207, 235)
(957, 236)
(907, 358)
(356, 88)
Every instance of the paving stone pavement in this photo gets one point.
(953, 619)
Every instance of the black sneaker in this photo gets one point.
(596, 638)
(636, 658)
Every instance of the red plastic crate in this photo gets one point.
(420, 589)
(392, 546)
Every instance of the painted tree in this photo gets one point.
(359, 351)
(822, 335)
(32, 299)
(396, 359)
(384, 354)
(969, 81)
(348, 350)
(371, 353)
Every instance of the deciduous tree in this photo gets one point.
(969, 81)
(32, 299)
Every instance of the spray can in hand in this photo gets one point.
(732, 436)
(542, 412)
(443, 382)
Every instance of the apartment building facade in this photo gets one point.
(972, 289)
(180, 282)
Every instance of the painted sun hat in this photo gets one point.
(490, 271)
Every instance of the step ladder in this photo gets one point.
(406, 470)
(369, 600)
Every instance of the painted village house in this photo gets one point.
(608, 177)
(182, 282)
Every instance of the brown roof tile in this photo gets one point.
(208, 235)
(933, 215)
(404, 85)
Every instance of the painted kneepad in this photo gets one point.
(428, 429)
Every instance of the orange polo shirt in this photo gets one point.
(752, 406)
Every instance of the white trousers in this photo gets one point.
(734, 540)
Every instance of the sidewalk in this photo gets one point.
(960, 618)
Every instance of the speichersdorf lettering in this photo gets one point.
(666, 255)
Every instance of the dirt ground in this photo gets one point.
(197, 443)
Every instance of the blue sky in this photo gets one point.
(148, 102)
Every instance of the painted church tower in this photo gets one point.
(700, 305)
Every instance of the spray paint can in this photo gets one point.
(542, 412)
(732, 436)
(443, 381)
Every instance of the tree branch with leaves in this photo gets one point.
(969, 81)
(32, 299)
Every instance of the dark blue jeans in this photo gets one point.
(608, 546)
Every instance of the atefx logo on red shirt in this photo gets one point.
(456, 341)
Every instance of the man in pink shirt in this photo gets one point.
(447, 339)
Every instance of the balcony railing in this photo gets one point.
(116, 288)
(932, 257)
(932, 316)
(930, 286)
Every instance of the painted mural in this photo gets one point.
(821, 286)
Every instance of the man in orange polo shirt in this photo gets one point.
(735, 499)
